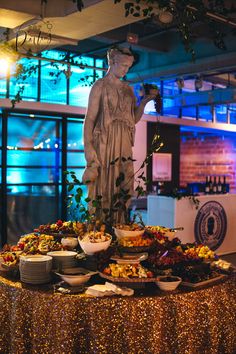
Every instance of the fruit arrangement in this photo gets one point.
(194, 273)
(156, 233)
(138, 241)
(11, 259)
(29, 244)
(96, 237)
(205, 252)
(129, 227)
(192, 251)
(166, 260)
(62, 227)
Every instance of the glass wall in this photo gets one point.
(3, 81)
(52, 82)
(195, 98)
(37, 153)
(81, 81)
(30, 92)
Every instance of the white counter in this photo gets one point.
(213, 223)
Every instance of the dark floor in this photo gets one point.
(230, 258)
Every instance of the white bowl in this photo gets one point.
(69, 242)
(168, 285)
(62, 254)
(74, 279)
(127, 233)
(93, 247)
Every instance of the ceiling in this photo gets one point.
(102, 23)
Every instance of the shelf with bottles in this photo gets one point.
(216, 184)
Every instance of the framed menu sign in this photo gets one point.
(161, 167)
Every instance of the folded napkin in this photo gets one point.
(108, 289)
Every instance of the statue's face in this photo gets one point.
(121, 65)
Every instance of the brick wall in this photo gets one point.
(204, 154)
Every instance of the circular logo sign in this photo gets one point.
(211, 225)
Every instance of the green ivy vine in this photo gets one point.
(78, 206)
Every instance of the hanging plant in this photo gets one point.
(185, 13)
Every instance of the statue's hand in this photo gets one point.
(148, 98)
(92, 159)
(90, 174)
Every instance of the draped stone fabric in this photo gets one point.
(113, 137)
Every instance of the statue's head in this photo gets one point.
(120, 57)
(117, 53)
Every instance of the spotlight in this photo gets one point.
(132, 38)
(198, 83)
(4, 66)
(180, 83)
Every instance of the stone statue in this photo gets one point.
(110, 127)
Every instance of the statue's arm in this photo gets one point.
(89, 124)
(139, 109)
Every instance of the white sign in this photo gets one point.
(161, 167)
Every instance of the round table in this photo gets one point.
(38, 320)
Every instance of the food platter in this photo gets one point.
(204, 282)
(127, 280)
(134, 249)
(133, 258)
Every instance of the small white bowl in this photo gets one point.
(90, 248)
(69, 242)
(74, 279)
(127, 233)
(168, 285)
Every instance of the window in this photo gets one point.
(53, 87)
(34, 169)
(30, 92)
(221, 113)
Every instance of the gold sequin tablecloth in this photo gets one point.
(34, 320)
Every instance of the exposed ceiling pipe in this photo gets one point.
(215, 17)
(204, 65)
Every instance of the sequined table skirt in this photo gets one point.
(190, 322)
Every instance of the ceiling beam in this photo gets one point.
(226, 62)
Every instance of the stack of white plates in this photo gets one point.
(63, 259)
(35, 269)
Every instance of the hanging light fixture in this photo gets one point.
(132, 38)
(165, 17)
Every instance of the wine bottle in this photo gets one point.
(210, 186)
(224, 186)
(214, 186)
(219, 186)
(207, 186)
